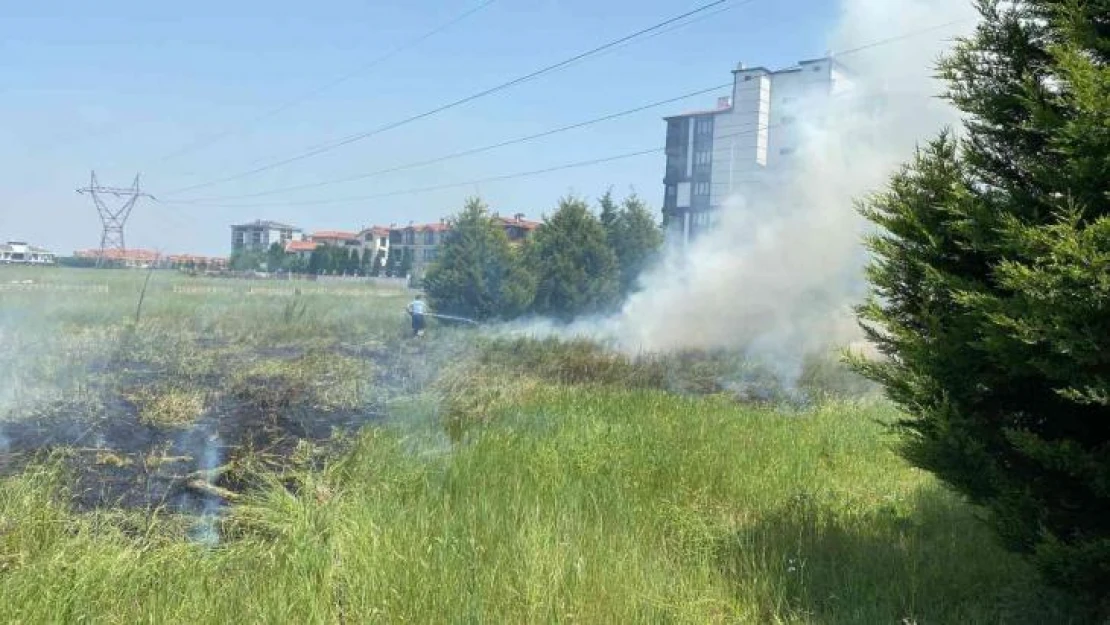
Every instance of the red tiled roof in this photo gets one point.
(527, 224)
(334, 234)
(132, 255)
(436, 227)
(300, 246)
(378, 231)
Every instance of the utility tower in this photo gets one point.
(113, 219)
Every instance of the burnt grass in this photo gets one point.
(259, 423)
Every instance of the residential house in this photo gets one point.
(301, 249)
(375, 243)
(517, 228)
(419, 242)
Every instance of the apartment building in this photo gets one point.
(259, 235)
(743, 144)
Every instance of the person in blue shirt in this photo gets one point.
(416, 309)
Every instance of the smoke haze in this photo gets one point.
(780, 272)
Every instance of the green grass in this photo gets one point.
(562, 492)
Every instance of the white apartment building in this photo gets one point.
(750, 137)
(260, 235)
(22, 253)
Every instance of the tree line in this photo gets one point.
(575, 263)
(324, 260)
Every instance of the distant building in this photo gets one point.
(259, 235)
(301, 249)
(22, 253)
(517, 228)
(130, 258)
(191, 262)
(740, 145)
(337, 238)
(375, 243)
(419, 243)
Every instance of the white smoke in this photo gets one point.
(779, 274)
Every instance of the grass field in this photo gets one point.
(361, 476)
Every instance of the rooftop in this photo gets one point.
(21, 247)
(334, 234)
(262, 223)
(520, 221)
(300, 246)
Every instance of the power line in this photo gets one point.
(536, 172)
(307, 95)
(501, 87)
(460, 154)
(548, 169)
(524, 174)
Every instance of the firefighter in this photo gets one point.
(416, 310)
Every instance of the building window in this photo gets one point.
(701, 188)
(381, 242)
(704, 126)
(786, 151)
(672, 191)
(703, 157)
(430, 237)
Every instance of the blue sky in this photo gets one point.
(119, 85)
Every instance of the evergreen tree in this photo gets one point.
(610, 212)
(636, 239)
(991, 286)
(317, 262)
(575, 269)
(476, 274)
(245, 259)
(377, 263)
(275, 257)
(352, 264)
(404, 266)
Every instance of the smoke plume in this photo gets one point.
(779, 274)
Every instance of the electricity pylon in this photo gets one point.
(113, 219)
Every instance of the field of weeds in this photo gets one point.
(241, 452)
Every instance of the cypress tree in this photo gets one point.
(991, 286)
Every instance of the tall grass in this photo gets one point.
(570, 484)
(575, 504)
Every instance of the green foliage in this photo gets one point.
(275, 257)
(377, 265)
(247, 259)
(576, 271)
(477, 274)
(404, 266)
(991, 287)
(334, 260)
(633, 235)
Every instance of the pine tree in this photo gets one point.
(991, 287)
(636, 239)
(476, 274)
(576, 271)
(610, 212)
